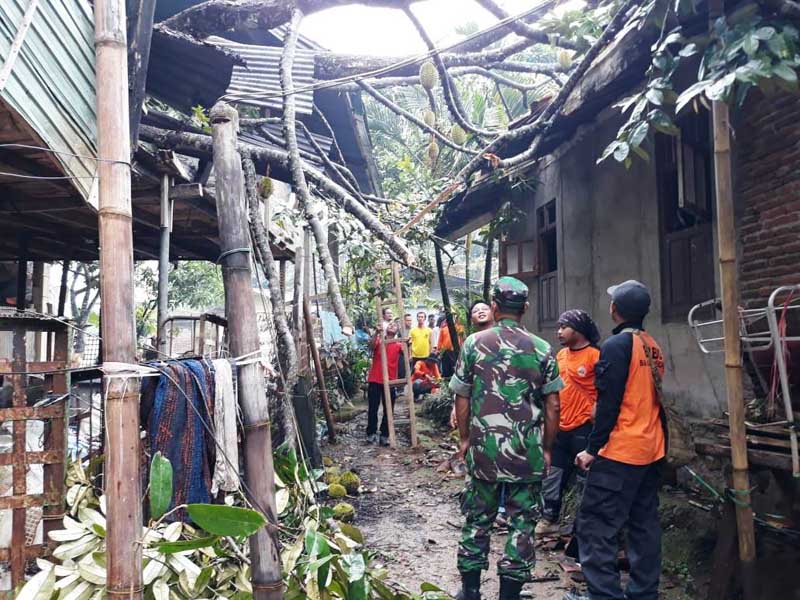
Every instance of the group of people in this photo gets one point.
(527, 419)
(432, 357)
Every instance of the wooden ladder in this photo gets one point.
(388, 384)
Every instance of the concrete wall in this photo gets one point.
(608, 223)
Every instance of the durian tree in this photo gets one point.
(452, 107)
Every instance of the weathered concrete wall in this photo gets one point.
(608, 223)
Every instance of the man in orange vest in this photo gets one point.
(624, 456)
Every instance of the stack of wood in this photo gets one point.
(768, 444)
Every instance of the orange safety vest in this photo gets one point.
(638, 437)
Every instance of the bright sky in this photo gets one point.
(387, 32)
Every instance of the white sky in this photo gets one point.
(387, 32)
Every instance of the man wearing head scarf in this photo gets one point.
(579, 336)
(506, 385)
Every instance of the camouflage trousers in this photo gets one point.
(480, 503)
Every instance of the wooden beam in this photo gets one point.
(140, 33)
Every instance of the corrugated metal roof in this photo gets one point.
(52, 82)
(257, 82)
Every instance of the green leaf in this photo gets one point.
(622, 151)
(751, 44)
(610, 149)
(641, 153)
(765, 33)
(689, 50)
(40, 586)
(352, 532)
(655, 97)
(160, 485)
(639, 134)
(777, 45)
(661, 121)
(183, 545)
(785, 72)
(689, 94)
(219, 519)
(356, 567)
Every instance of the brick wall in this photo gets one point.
(768, 178)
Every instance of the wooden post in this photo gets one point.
(22, 273)
(387, 389)
(62, 290)
(729, 287)
(323, 391)
(39, 271)
(122, 480)
(398, 292)
(163, 265)
(240, 312)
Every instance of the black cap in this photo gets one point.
(632, 299)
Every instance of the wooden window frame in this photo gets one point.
(696, 268)
(548, 281)
(507, 246)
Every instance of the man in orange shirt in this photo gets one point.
(446, 348)
(624, 456)
(426, 376)
(579, 336)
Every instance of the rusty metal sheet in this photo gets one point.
(32, 368)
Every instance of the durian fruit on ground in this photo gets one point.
(344, 512)
(350, 481)
(337, 490)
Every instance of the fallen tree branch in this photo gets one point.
(395, 108)
(307, 203)
(391, 82)
(520, 27)
(343, 174)
(199, 145)
(451, 96)
(288, 354)
(545, 121)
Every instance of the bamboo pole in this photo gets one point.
(398, 291)
(323, 391)
(729, 284)
(163, 265)
(388, 408)
(240, 312)
(122, 480)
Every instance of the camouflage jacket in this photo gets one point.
(505, 371)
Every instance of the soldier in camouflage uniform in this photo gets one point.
(506, 384)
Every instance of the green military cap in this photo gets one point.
(510, 292)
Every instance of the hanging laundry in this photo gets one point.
(179, 423)
(226, 468)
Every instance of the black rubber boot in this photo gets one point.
(510, 588)
(470, 586)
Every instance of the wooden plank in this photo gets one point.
(23, 413)
(31, 458)
(762, 458)
(760, 440)
(31, 552)
(32, 368)
(19, 471)
(19, 502)
(57, 439)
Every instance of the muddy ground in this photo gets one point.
(409, 512)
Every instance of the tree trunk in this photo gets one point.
(288, 354)
(451, 324)
(487, 266)
(241, 315)
(300, 184)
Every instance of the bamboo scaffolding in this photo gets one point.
(122, 480)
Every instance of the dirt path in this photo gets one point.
(410, 513)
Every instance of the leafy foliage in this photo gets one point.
(743, 51)
(321, 557)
